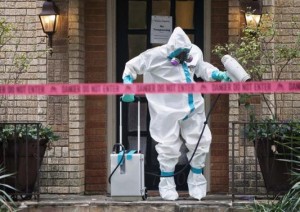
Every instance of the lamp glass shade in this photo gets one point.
(48, 23)
(252, 20)
(48, 17)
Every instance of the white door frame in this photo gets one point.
(111, 77)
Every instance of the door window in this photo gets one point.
(161, 7)
(185, 14)
(137, 14)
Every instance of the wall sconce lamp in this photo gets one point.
(48, 18)
(253, 12)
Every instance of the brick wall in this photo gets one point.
(76, 103)
(25, 40)
(287, 14)
(284, 12)
(55, 174)
(219, 118)
(29, 39)
(64, 168)
(96, 67)
(63, 165)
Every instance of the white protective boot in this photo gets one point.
(197, 185)
(168, 154)
(167, 188)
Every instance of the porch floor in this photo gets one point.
(95, 203)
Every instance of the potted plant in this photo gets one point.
(22, 149)
(291, 200)
(265, 57)
(269, 137)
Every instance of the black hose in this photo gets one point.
(122, 159)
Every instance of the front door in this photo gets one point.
(133, 37)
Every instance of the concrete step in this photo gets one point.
(100, 203)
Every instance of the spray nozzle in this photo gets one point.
(234, 70)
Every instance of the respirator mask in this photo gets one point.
(179, 56)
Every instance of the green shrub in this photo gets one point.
(34, 131)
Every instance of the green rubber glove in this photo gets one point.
(128, 97)
(220, 76)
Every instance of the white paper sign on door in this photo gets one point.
(161, 29)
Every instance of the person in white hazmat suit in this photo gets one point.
(173, 114)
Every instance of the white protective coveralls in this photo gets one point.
(175, 114)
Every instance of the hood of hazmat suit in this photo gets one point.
(178, 40)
